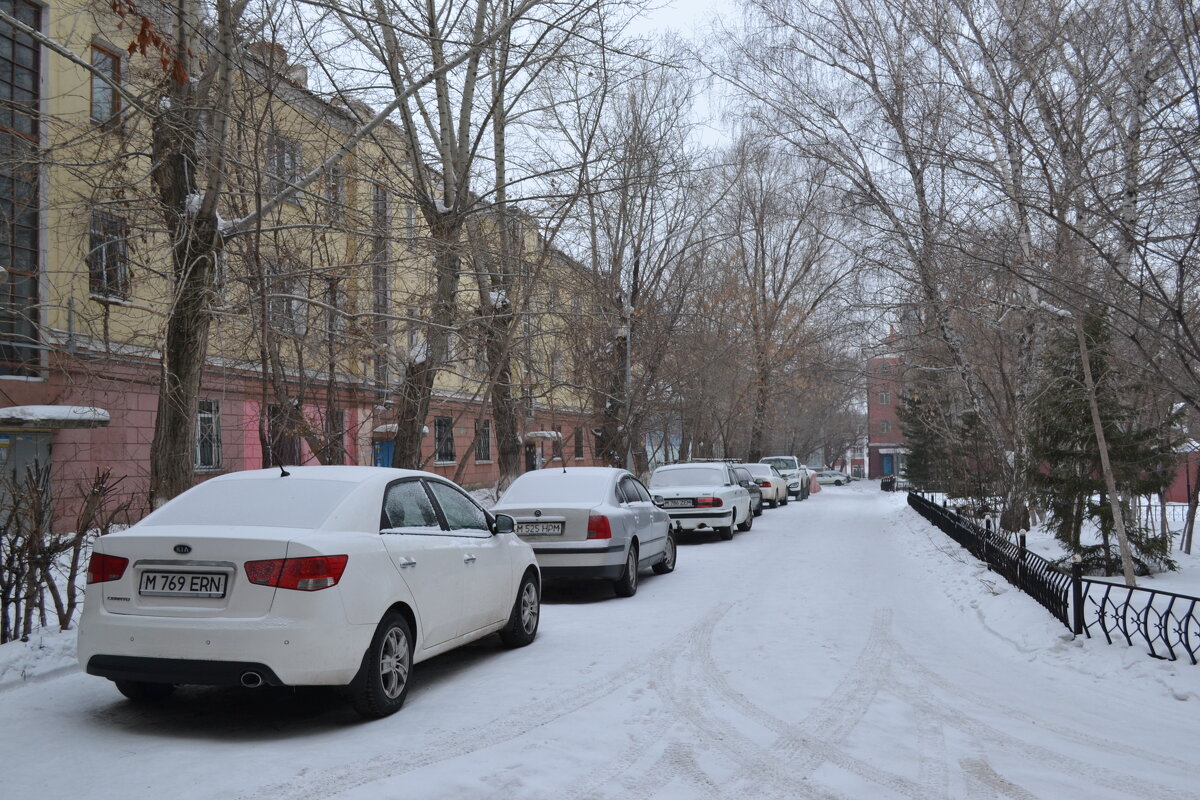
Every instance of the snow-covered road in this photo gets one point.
(841, 648)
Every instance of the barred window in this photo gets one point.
(483, 440)
(108, 256)
(208, 435)
(578, 441)
(443, 435)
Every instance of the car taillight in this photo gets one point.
(309, 574)
(709, 502)
(765, 484)
(102, 568)
(598, 527)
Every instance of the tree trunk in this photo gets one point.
(412, 401)
(1185, 541)
(1110, 483)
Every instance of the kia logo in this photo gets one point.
(537, 513)
(183, 549)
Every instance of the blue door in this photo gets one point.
(888, 466)
(383, 452)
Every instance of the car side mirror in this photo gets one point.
(504, 524)
(657, 500)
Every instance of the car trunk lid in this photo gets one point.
(551, 522)
(190, 571)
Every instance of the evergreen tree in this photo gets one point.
(1067, 474)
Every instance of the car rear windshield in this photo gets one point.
(763, 470)
(278, 503)
(688, 476)
(547, 486)
(781, 463)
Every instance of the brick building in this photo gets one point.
(886, 447)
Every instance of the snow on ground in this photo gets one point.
(841, 648)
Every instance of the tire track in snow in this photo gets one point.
(980, 773)
(929, 677)
(1084, 773)
(323, 783)
(805, 746)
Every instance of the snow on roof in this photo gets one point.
(546, 436)
(54, 416)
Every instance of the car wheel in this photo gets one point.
(527, 610)
(837, 483)
(626, 585)
(145, 691)
(726, 533)
(381, 684)
(668, 560)
(758, 509)
(784, 501)
(774, 504)
(747, 524)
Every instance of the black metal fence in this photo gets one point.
(1167, 623)
(1029, 572)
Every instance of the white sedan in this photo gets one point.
(344, 576)
(700, 496)
(590, 522)
(832, 476)
(772, 483)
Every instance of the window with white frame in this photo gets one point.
(283, 162)
(106, 102)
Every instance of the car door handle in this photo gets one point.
(468, 559)
(407, 562)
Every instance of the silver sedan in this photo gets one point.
(590, 523)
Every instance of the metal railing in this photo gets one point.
(1029, 572)
(1168, 623)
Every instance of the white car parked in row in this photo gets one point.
(829, 476)
(773, 485)
(794, 472)
(590, 522)
(702, 495)
(344, 576)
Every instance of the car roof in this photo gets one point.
(548, 472)
(349, 474)
(693, 464)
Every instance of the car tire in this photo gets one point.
(379, 688)
(667, 564)
(522, 624)
(758, 509)
(145, 691)
(784, 501)
(837, 483)
(774, 504)
(726, 533)
(627, 584)
(746, 524)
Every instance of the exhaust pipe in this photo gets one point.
(251, 680)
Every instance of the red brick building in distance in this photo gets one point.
(886, 447)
